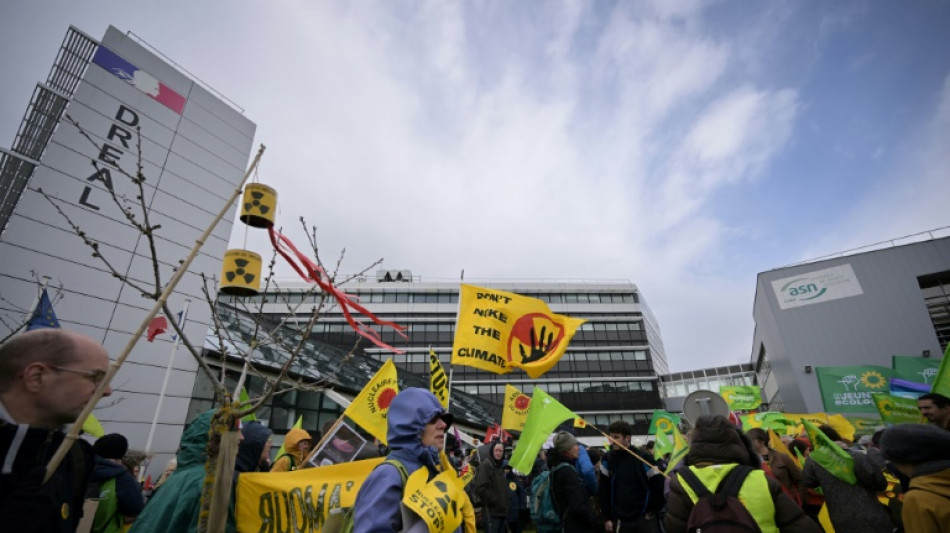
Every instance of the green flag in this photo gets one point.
(663, 422)
(93, 427)
(741, 397)
(865, 424)
(915, 368)
(829, 455)
(544, 414)
(680, 449)
(896, 409)
(246, 400)
(941, 383)
(773, 420)
(663, 444)
(847, 389)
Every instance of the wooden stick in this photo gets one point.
(628, 450)
(169, 288)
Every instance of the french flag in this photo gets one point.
(139, 79)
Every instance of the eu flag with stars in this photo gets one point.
(43, 315)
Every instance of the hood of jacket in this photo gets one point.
(193, 448)
(293, 438)
(716, 441)
(106, 469)
(409, 413)
(485, 453)
(933, 476)
(250, 450)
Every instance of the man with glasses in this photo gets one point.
(46, 378)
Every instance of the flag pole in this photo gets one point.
(169, 288)
(628, 450)
(168, 373)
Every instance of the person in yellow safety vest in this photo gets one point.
(716, 448)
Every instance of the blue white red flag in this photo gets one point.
(139, 79)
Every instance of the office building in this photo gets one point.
(858, 308)
(74, 162)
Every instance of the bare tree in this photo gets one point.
(287, 336)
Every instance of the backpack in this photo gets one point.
(721, 511)
(107, 518)
(293, 462)
(349, 517)
(543, 508)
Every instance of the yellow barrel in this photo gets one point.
(241, 273)
(259, 207)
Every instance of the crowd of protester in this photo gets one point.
(899, 476)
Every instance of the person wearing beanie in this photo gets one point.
(568, 492)
(120, 495)
(491, 488)
(922, 451)
(716, 448)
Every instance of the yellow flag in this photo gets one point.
(437, 502)
(438, 382)
(580, 422)
(371, 405)
(776, 442)
(498, 331)
(515, 412)
(680, 449)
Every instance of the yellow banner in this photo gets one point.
(840, 424)
(515, 411)
(776, 443)
(438, 502)
(497, 331)
(300, 500)
(438, 382)
(371, 405)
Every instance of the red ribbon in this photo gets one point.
(310, 271)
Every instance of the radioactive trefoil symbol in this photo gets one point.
(241, 263)
(256, 202)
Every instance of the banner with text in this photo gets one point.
(515, 412)
(847, 389)
(741, 397)
(896, 409)
(300, 500)
(498, 331)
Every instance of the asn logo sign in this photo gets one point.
(815, 287)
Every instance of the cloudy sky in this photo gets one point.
(685, 146)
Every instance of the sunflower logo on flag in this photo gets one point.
(873, 379)
(533, 337)
(664, 425)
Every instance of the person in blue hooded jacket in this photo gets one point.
(416, 425)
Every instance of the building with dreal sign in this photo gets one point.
(76, 148)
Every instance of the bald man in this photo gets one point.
(46, 378)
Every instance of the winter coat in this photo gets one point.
(377, 507)
(927, 503)
(716, 442)
(128, 492)
(585, 468)
(517, 497)
(249, 451)
(491, 488)
(624, 487)
(26, 503)
(175, 507)
(571, 499)
(284, 463)
(852, 508)
(788, 474)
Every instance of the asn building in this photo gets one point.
(609, 371)
(857, 309)
(78, 142)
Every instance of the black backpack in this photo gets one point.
(722, 511)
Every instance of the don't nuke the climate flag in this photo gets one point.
(498, 331)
